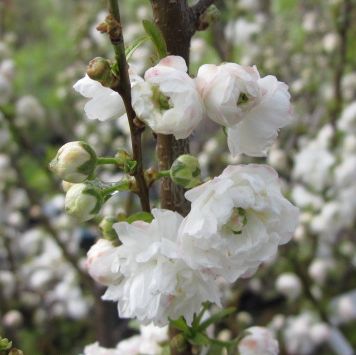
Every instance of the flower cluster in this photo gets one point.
(167, 268)
(169, 101)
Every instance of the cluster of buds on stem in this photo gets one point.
(75, 163)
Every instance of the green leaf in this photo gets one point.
(130, 49)
(140, 216)
(156, 37)
(216, 317)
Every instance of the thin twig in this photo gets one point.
(124, 89)
(199, 8)
(343, 31)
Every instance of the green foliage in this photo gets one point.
(35, 174)
(130, 49)
(156, 37)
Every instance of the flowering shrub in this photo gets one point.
(198, 203)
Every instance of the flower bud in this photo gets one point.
(185, 171)
(106, 228)
(99, 69)
(5, 344)
(83, 201)
(74, 162)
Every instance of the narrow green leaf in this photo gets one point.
(216, 317)
(156, 37)
(130, 49)
(140, 216)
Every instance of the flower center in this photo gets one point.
(236, 222)
(161, 101)
(243, 99)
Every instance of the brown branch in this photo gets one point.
(124, 89)
(175, 20)
(199, 8)
(343, 31)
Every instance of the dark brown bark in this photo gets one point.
(343, 28)
(174, 18)
(177, 22)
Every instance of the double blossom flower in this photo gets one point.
(167, 268)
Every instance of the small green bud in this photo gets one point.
(83, 201)
(106, 228)
(5, 344)
(99, 69)
(74, 162)
(185, 171)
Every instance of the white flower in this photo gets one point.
(334, 216)
(259, 341)
(96, 349)
(99, 262)
(74, 162)
(252, 108)
(29, 108)
(345, 173)
(301, 334)
(343, 307)
(147, 342)
(157, 284)
(289, 285)
(168, 100)
(319, 269)
(304, 198)
(313, 165)
(237, 221)
(104, 103)
(347, 121)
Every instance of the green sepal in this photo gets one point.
(89, 166)
(156, 37)
(200, 339)
(181, 325)
(140, 216)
